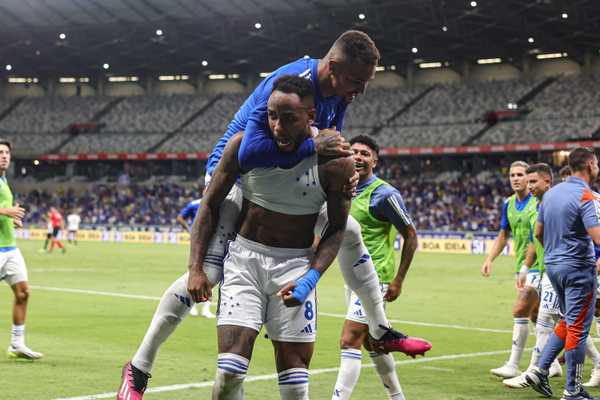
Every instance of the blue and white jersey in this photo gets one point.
(190, 210)
(258, 149)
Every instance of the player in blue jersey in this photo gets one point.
(568, 225)
(338, 78)
(185, 218)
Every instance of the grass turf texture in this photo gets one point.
(87, 337)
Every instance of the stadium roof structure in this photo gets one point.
(249, 36)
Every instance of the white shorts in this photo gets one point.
(356, 312)
(548, 299)
(254, 273)
(12, 267)
(534, 280)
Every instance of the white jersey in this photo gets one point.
(73, 221)
(294, 191)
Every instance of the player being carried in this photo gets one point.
(12, 264)
(337, 79)
(378, 208)
(517, 211)
(270, 272)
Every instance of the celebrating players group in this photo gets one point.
(286, 194)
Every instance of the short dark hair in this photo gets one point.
(565, 172)
(579, 157)
(6, 142)
(296, 85)
(540, 168)
(367, 141)
(356, 46)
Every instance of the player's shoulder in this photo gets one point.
(339, 168)
(300, 67)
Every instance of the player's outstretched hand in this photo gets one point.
(287, 296)
(350, 186)
(199, 287)
(330, 143)
(18, 222)
(393, 291)
(486, 269)
(16, 212)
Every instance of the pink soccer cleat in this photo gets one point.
(397, 341)
(133, 383)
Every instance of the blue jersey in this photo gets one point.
(386, 204)
(190, 210)
(569, 209)
(258, 149)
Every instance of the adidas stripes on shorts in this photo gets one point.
(253, 274)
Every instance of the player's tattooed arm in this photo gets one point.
(205, 224)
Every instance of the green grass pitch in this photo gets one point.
(88, 336)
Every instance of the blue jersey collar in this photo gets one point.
(577, 180)
(365, 184)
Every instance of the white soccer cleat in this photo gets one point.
(555, 369)
(23, 352)
(594, 379)
(506, 371)
(194, 311)
(518, 382)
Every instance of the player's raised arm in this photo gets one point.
(222, 181)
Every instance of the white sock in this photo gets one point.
(519, 339)
(173, 307)
(350, 364)
(205, 307)
(293, 384)
(592, 352)
(384, 364)
(360, 276)
(229, 379)
(17, 337)
(543, 327)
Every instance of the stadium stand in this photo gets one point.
(155, 114)
(112, 142)
(51, 114)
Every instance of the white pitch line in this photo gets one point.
(429, 367)
(313, 372)
(325, 314)
(430, 324)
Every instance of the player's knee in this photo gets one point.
(22, 295)
(352, 339)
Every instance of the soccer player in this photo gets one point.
(48, 235)
(271, 272)
(568, 224)
(539, 181)
(337, 79)
(12, 264)
(185, 218)
(73, 221)
(378, 208)
(58, 224)
(516, 214)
